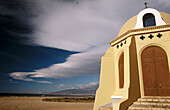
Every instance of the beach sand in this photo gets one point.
(36, 103)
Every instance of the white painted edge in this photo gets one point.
(106, 105)
(156, 13)
(116, 97)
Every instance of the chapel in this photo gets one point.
(135, 71)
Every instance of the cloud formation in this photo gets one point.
(91, 85)
(24, 76)
(85, 63)
(74, 27)
(86, 28)
(63, 86)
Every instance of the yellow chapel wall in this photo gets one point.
(163, 42)
(133, 80)
(107, 81)
(131, 91)
(109, 77)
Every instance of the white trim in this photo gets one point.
(106, 105)
(158, 18)
(115, 99)
(119, 97)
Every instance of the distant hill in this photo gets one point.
(76, 92)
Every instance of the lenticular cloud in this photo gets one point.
(87, 28)
(70, 27)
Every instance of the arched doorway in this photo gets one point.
(121, 70)
(155, 69)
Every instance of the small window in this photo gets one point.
(149, 20)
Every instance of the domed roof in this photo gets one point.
(131, 23)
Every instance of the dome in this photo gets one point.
(134, 21)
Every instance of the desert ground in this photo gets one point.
(36, 103)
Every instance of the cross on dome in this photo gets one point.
(146, 5)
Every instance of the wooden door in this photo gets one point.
(156, 77)
(121, 70)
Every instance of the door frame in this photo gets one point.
(139, 55)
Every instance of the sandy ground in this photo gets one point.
(36, 103)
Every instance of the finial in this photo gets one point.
(146, 5)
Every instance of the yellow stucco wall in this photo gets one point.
(130, 91)
(133, 80)
(163, 42)
(130, 24)
(107, 81)
(133, 87)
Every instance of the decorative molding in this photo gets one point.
(142, 37)
(121, 44)
(138, 32)
(150, 36)
(159, 35)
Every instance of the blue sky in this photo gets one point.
(52, 45)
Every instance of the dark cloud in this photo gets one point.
(87, 27)
(17, 51)
(16, 20)
(18, 57)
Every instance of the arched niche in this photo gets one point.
(121, 70)
(149, 20)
